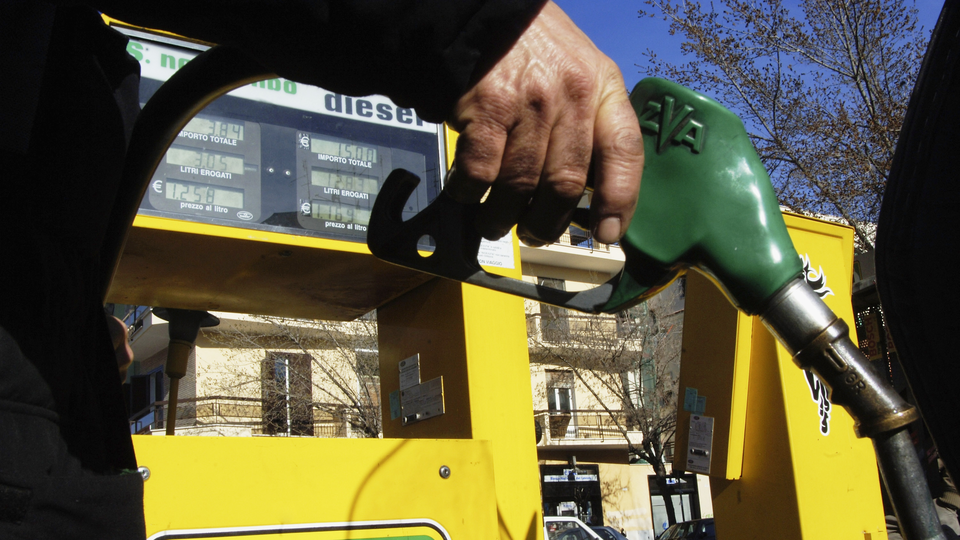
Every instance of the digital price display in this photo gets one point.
(343, 149)
(349, 182)
(177, 190)
(212, 170)
(340, 179)
(215, 128)
(338, 212)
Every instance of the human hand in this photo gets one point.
(529, 129)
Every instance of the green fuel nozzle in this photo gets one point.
(705, 202)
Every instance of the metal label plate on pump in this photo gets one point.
(418, 401)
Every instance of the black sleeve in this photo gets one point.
(423, 54)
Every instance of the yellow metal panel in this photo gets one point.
(316, 487)
(801, 481)
(427, 321)
(765, 496)
(239, 233)
(476, 340)
(182, 264)
(450, 138)
(501, 405)
(838, 470)
(715, 362)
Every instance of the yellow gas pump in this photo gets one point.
(457, 458)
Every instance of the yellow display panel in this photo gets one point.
(371, 530)
(329, 489)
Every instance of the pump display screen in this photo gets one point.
(212, 170)
(178, 190)
(341, 180)
(337, 212)
(279, 156)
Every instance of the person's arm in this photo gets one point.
(536, 103)
(423, 54)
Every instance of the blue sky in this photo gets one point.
(616, 28)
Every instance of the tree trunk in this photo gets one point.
(666, 491)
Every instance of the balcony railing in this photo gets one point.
(584, 425)
(562, 326)
(242, 415)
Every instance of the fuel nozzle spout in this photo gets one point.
(184, 326)
(820, 342)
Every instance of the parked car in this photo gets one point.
(697, 529)
(608, 533)
(567, 528)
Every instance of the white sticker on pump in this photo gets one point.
(700, 444)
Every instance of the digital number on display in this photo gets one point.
(179, 190)
(336, 212)
(343, 149)
(205, 159)
(344, 181)
(215, 128)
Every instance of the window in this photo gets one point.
(554, 321)
(142, 392)
(560, 390)
(287, 393)
(560, 401)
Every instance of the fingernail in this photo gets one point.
(608, 230)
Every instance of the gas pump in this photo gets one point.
(706, 203)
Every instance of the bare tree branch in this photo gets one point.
(339, 376)
(822, 90)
